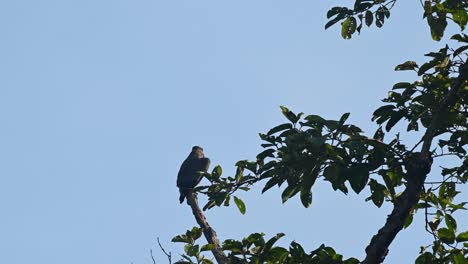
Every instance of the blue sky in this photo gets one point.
(100, 102)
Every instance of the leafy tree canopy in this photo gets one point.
(307, 148)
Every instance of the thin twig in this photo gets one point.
(152, 257)
(168, 255)
(445, 154)
(417, 144)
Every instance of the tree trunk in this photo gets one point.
(208, 231)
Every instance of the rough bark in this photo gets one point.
(417, 172)
(417, 167)
(208, 231)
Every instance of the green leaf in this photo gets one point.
(460, 37)
(386, 11)
(402, 85)
(209, 204)
(240, 204)
(343, 118)
(266, 153)
(394, 119)
(451, 223)
(239, 177)
(425, 258)
(335, 10)
(380, 15)
(460, 206)
(446, 235)
(462, 237)
(333, 21)
(383, 111)
(351, 261)
(183, 261)
(358, 177)
(207, 247)
(255, 239)
(379, 22)
(192, 250)
(269, 244)
(408, 220)
(279, 128)
(331, 124)
(290, 115)
(348, 27)
(189, 261)
(195, 233)
(315, 119)
(426, 66)
(270, 183)
(379, 134)
(306, 197)
(232, 245)
(207, 261)
(407, 65)
(269, 165)
(277, 255)
(227, 200)
(217, 171)
(460, 50)
(369, 18)
(332, 173)
(460, 17)
(289, 192)
(458, 258)
(360, 5)
(252, 166)
(296, 250)
(181, 238)
(437, 25)
(377, 193)
(413, 125)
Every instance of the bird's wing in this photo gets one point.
(202, 165)
(184, 172)
(189, 176)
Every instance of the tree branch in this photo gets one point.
(208, 231)
(418, 166)
(168, 255)
(152, 257)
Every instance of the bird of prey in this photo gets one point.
(189, 174)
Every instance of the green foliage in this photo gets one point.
(240, 204)
(254, 249)
(436, 12)
(191, 249)
(307, 148)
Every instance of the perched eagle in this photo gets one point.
(189, 174)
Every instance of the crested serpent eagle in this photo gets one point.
(189, 174)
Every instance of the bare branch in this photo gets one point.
(152, 257)
(208, 231)
(168, 255)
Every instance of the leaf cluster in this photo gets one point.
(369, 12)
(255, 249)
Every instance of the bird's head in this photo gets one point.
(198, 151)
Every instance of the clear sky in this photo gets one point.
(100, 102)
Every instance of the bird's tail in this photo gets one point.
(182, 196)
